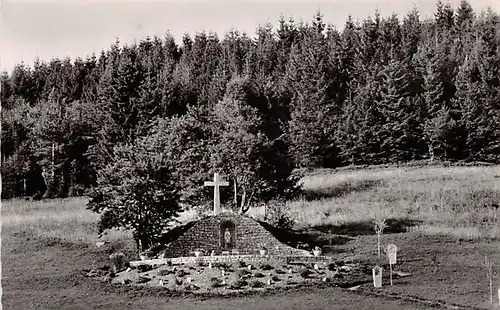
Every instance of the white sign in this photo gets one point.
(377, 276)
(392, 250)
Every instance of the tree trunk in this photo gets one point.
(246, 206)
(235, 192)
(243, 200)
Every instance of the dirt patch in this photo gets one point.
(48, 275)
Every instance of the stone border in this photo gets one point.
(230, 259)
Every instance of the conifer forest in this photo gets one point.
(386, 89)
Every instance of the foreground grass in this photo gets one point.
(461, 201)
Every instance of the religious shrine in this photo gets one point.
(224, 233)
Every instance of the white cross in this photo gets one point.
(216, 184)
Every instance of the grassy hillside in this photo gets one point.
(457, 200)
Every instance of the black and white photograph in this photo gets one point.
(250, 154)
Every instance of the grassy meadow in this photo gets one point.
(62, 219)
(438, 199)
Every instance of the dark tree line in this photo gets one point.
(387, 89)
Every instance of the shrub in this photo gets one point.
(242, 264)
(239, 284)
(216, 282)
(275, 279)
(220, 265)
(306, 273)
(266, 267)
(243, 272)
(257, 284)
(164, 272)
(144, 268)
(259, 275)
(143, 280)
(181, 273)
(278, 215)
(118, 260)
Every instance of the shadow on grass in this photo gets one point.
(306, 240)
(394, 226)
(341, 190)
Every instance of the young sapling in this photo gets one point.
(380, 225)
(488, 264)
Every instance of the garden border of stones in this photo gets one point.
(230, 259)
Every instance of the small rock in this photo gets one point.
(316, 267)
(325, 279)
(354, 288)
(268, 281)
(249, 267)
(128, 269)
(100, 244)
(189, 280)
(209, 265)
(402, 274)
(346, 268)
(160, 283)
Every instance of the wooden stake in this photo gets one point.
(390, 267)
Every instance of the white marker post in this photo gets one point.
(392, 250)
(377, 276)
(216, 184)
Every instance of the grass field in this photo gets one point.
(451, 200)
(46, 245)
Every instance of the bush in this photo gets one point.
(118, 260)
(181, 273)
(257, 284)
(220, 266)
(144, 268)
(143, 280)
(266, 267)
(306, 273)
(239, 284)
(278, 215)
(164, 272)
(259, 275)
(275, 279)
(216, 282)
(243, 272)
